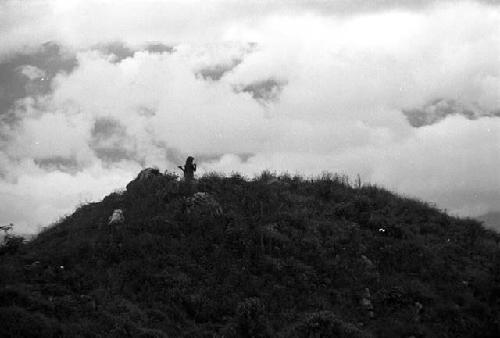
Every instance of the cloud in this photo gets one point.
(215, 72)
(110, 141)
(303, 87)
(84, 23)
(117, 50)
(438, 110)
(29, 74)
(361, 6)
(32, 72)
(263, 90)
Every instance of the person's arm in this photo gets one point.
(194, 166)
(180, 167)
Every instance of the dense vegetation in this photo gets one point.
(287, 257)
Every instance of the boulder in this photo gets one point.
(137, 184)
(148, 173)
(117, 217)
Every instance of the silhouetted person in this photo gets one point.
(188, 169)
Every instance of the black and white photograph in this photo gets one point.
(250, 168)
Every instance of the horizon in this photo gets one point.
(404, 93)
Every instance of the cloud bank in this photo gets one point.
(303, 87)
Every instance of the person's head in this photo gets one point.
(190, 159)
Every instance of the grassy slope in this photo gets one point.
(285, 259)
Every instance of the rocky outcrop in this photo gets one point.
(117, 217)
(145, 175)
(148, 173)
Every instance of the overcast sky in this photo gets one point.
(405, 93)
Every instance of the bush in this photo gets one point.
(251, 319)
(17, 322)
(11, 244)
(326, 324)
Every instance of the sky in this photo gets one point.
(404, 93)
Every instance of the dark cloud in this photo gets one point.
(108, 138)
(216, 72)
(264, 90)
(119, 50)
(50, 58)
(159, 48)
(105, 128)
(12, 87)
(19, 77)
(58, 163)
(439, 109)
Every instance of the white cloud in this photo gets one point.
(32, 72)
(51, 135)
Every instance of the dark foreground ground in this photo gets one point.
(274, 256)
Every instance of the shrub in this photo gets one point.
(251, 319)
(11, 244)
(17, 322)
(326, 324)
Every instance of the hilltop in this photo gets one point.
(272, 256)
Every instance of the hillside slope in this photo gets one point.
(273, 256)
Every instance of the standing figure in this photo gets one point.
(188, 169)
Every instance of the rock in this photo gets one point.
(202, 203)
(144, 175)
(148, 173)
(117, 217)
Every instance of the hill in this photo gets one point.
(274, 256)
